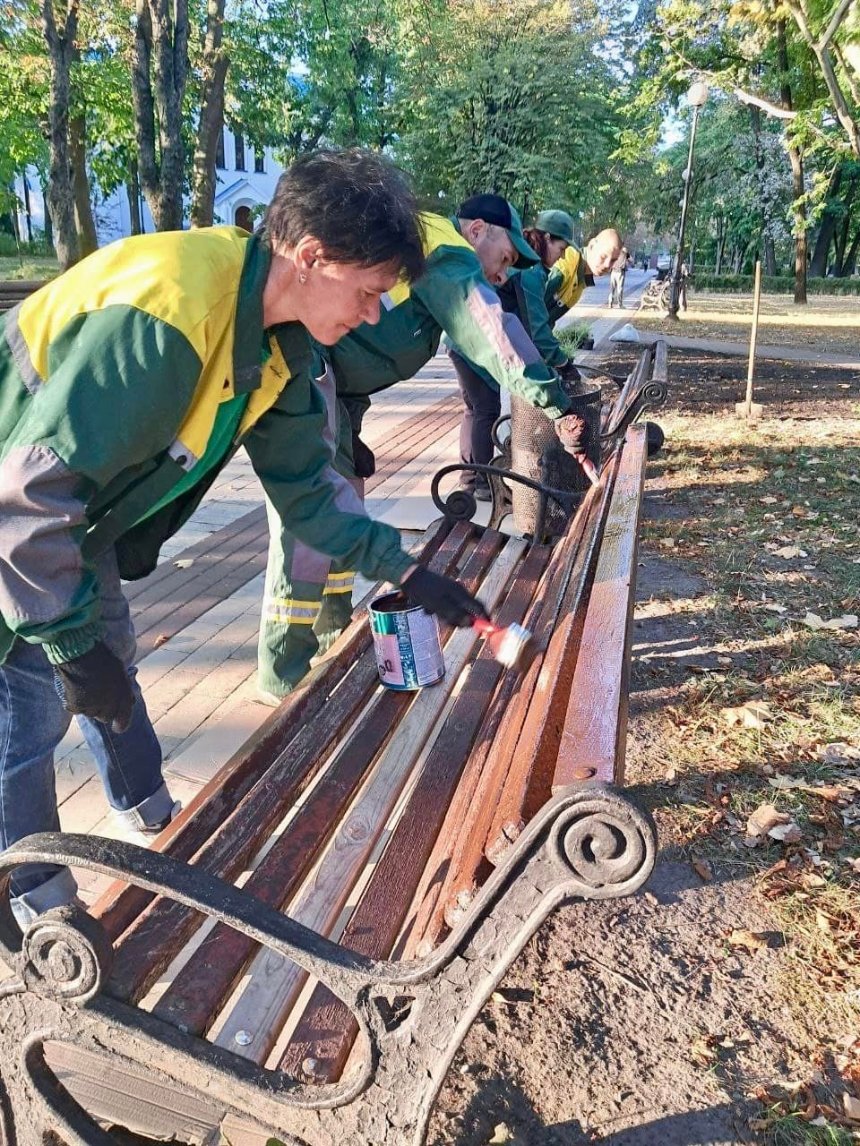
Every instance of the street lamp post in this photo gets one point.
(697, 97)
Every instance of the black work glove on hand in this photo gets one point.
(363, 459)
(444, 597)
(569, 373)
(96, 685)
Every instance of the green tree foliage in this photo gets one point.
(517, 97)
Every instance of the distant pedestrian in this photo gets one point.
(616, 279)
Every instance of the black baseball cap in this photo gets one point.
(497, 210)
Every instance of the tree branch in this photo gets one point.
(835, 20)
(772, 109)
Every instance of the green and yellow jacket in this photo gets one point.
(565, 284)
(452, 296)
(525, 294)
(113, 380)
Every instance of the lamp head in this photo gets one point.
(697, 96)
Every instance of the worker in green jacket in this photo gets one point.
(527, 293)
(126, 384)
(464, 256)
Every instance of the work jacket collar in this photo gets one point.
(248, 331)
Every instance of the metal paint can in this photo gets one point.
(406, 643)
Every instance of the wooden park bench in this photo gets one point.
(13, 291)
(307, 944)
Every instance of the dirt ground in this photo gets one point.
(722, 1004)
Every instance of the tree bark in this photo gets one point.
(798, 190)
(215, 65)
(844, 228)
(818, 263)
(159, 72)
(87, 238)
(133, 192)
(60, 38)
(28, 214)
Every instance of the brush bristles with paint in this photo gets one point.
(514, 647)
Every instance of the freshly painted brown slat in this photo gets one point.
(459, 851)
(326, 1030)
(637, 377)
(199, 989)
(120, 903)
(660, 372)
(595, 723)
(528, 782)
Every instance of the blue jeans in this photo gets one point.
(32, 724)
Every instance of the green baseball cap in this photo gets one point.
(556, 223)
(495, 209)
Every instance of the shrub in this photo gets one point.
(773, 284)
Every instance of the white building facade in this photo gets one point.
(246, 180)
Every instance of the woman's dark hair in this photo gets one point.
(357, 203)
(537, 241)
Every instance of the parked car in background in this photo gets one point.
(664, 261)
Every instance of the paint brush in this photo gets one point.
(512, 646)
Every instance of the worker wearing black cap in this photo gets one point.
(464, 254)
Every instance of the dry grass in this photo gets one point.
(767, 513)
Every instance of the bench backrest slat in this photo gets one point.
(590, 742)
(326, 1024)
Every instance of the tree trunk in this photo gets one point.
(84, 222)
(161, 55)
(844, 229)
(769, 255)
(851, 257)
(818, 263)
(721, 244)
(215, 64)
(795, 158)
(28, 214)
(133, 192)
(766, 228)
(60, 199)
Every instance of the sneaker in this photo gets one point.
(143, 834)
(25, 913)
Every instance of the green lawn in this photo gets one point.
(31, 267)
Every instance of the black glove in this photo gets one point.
(444, 597)
(363, 460)
(96, 685)
(569, 373)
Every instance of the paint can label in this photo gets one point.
(406, 643)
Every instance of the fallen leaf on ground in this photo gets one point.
(788, 833)
(847, 621)
(160, 640)
(668, 542)
(786, 552)
(768, 500)
(838, 752)
(753, 714)
(783, 783)
(752, 940)
(184, 563)
(851, 1106)
(763, 819)
(776, 608)
(703, 869)
(501, 1133)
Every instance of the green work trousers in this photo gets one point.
(308, 597)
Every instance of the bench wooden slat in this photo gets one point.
(327, 1030)
(466, 840)
(534, 747)
(193, 998)
(589, 741)
(120, 904)
(275, 983)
